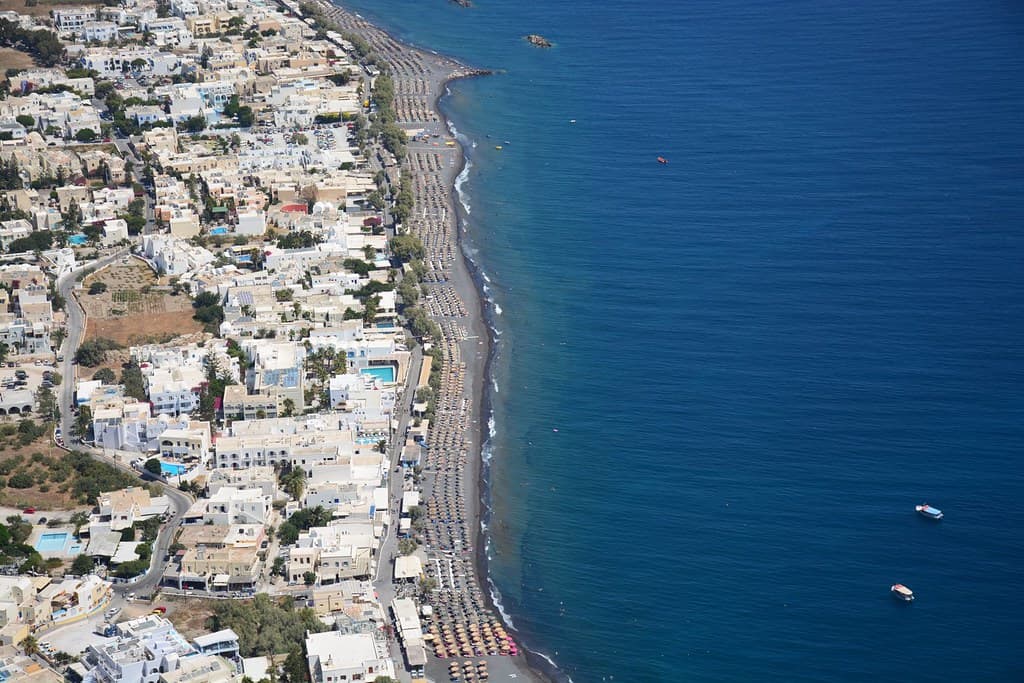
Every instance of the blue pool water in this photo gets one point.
(52, 542)
(78, 240)
(219, 231)
(385, 373)
(172, 469)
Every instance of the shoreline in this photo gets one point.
(466, 279)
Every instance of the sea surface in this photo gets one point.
(724, 382)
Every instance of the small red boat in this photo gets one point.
(662, 160)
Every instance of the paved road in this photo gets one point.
(180, 502)
(382, 584)
(75, 334)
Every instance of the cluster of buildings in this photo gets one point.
(150, 650)
(29, 603)
(258, 201)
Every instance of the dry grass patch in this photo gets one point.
(136, 307)
(188, 615)
(40, 10)
(39, 460)
(13, 59)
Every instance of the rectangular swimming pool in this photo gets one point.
(172, 469)
(52, 542)
(385, 373)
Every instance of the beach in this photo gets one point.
(453, 483)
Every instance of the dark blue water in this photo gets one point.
(761, 355)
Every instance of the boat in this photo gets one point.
(901, 592)
(662, 160)
(497, 147)
(928, 511)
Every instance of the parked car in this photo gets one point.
(28, 511)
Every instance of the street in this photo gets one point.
(180, 502)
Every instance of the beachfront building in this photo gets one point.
(335, 657)
(352, 601)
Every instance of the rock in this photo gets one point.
(539, 41)
(463, 3)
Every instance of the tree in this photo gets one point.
(407, 247)
(105, 375)
(288, 408)
(246, 117)
(194, 124)
(73, 217)
(85, 135)
(264, 623)
(97, 287)
(408, 290)
(94, 351)
(26, 120)
(30, 646)
(133, 381)
(47, 403)
(82, 565)
(295, 667)
(83, 421)
(153, 467)
(208, 310)
(309, 578)
(294, 482)
(79, 519)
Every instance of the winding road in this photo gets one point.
(180, 501)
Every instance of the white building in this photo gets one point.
(143, 650)
(102, 31)
(233, 506)
(72, 19)
(114, 231)
(335, 657)
(251, 223)
(119, 510)
(186, 443)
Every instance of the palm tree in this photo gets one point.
(30, 646)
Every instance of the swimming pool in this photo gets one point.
(78, 239)
(385, 373)
(219, 231)
(52, 542)
(172, 468)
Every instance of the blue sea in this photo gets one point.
(723, 383)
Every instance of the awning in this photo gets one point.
(221, 579)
